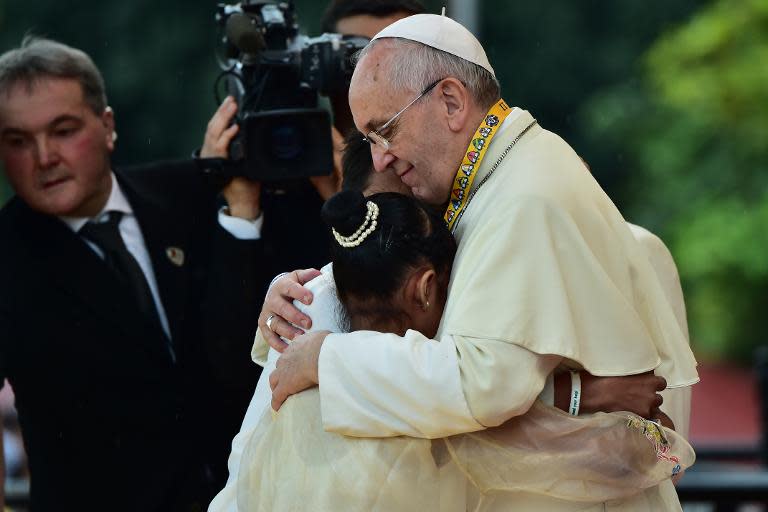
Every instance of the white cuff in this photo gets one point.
(241, 229)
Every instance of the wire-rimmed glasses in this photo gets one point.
(375, 136)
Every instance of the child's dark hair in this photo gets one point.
(356, 162)
(407, 235)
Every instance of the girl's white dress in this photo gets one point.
(287, 462)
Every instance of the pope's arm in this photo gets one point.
(423, 388)
(381, 385)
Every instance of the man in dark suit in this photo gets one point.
(127, 309)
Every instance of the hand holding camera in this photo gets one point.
(242, 194)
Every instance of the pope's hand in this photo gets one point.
(279, 311)
(296, 369)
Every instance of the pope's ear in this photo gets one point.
(455, 100)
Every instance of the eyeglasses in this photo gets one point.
(375, 136)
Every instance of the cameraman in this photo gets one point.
(292, 214)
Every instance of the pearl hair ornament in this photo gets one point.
(365, 229)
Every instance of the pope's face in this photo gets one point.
(418, 138)
(55, 149)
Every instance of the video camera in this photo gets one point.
(276, 74)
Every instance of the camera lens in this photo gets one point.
(287, 144)
(286, 141)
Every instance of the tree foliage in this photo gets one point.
(697, 140)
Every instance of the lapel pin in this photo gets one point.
(176, 255)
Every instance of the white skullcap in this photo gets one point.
(439, 32)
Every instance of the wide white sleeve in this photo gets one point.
(677, 401)
(501, 380)
(381, 385)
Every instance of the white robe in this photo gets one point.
(445, 369)
(546, 265)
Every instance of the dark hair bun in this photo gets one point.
(345, 211)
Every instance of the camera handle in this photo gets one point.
(217, 170)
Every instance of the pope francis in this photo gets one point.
(547, 277)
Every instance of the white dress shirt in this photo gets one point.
(134, 240)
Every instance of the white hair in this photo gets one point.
(418, 65)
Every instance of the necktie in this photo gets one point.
(106, 235)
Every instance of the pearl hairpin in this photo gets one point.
(365, 229)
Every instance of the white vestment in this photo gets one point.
(435, 363)
(677, 401)
(546, 273)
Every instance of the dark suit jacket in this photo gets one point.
(110, 421)
(295, 235)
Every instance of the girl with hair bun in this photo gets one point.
(391, 262)
(391, 258)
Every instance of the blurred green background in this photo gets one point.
(666, 100)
